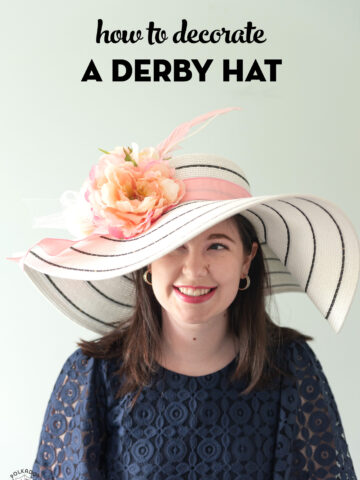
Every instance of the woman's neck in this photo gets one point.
(196, 349)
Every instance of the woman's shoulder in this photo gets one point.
(81, 361)
(82, 369)
(77, 359)
(299, 354)
(298, 359)
(77, 363)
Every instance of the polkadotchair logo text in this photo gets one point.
(24, 474)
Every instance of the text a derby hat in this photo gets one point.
(137, 206)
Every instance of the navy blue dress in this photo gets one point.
(186, 427)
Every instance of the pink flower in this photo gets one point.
(128, 190)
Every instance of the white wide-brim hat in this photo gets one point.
(309, 245)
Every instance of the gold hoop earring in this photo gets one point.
(146, 280)
(247, 283)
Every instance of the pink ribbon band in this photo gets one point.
(198, 188)
(207, 188)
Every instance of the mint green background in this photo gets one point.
(298, 135)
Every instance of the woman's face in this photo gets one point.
(213, 260)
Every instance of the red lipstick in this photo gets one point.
(199, 299)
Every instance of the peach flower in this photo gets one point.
(128, 190)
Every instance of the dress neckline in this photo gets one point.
(212, 374)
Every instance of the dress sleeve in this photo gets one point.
(73, 436)
(311, 442)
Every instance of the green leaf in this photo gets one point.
(128, 157)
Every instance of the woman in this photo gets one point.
(195, 380)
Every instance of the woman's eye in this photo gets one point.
(213, 246)
(218, 245)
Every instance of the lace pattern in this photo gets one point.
(72, 444)
(193, 427)
(319, 449)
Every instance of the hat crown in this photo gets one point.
(210, 177)
(203, 165)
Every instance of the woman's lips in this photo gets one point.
(192, 286)
(198, 299)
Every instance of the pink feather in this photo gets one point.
(178, 134)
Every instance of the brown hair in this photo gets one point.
(258, 338)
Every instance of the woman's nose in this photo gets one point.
(195, 264)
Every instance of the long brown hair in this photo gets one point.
(258, 338)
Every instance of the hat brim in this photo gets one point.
(308, 243)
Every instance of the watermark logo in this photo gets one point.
(24, 474)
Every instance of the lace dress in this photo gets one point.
(185, 427)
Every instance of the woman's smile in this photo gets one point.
(194, 295)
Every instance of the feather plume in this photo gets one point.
(179, 133)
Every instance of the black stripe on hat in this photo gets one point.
(287, 230)
(121, 254)
(262, 222)
(283, 272)
(159, 227)
(213, 166)
(314, 241)
(343, 253)
(149, 244)
(145, 234)
(154, 230)
(107, 297)
(128, 278)
(73, 304)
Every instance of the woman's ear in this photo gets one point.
(254, 250)
(249, 258)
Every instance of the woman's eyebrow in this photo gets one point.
(220, 235)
